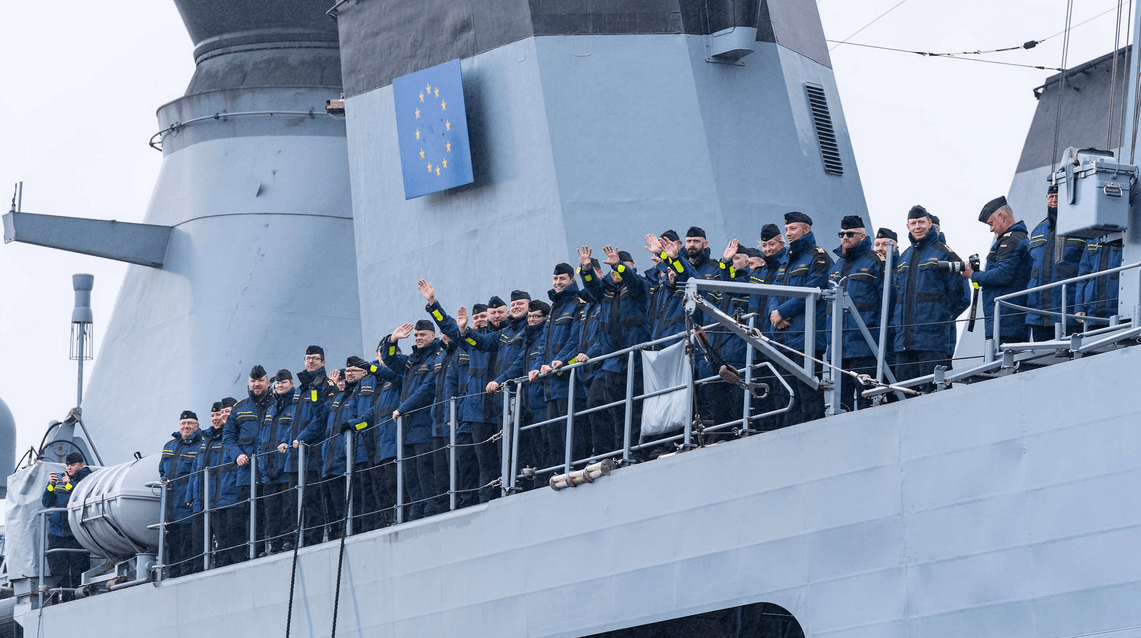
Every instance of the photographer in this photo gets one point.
(1007, 267)
(65, 566)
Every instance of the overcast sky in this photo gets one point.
(80, 90)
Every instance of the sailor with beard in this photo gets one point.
(1052, 258)
(240, 437)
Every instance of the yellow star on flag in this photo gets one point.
(429, 167)
(447, 124)
(437, 94)
(421, 97)
(417, 113)
(437, 170)
(421, 153)
(449, 145)
(417, 133)
(429, 89)
(445, 163)
(443, 106)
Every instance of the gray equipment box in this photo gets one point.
(1094, 193)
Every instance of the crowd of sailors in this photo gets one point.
(293, 430)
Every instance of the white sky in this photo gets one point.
(82, 80)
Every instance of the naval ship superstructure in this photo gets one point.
(1000, 508)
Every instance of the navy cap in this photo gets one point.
(425, 324)
(283, 375)
(797, 216)
(887, 233)
(495, 302)
(187, 414)
(625, 256)
(75, 457)
(257, 372)
(990, 207)
(539, 304)
(229, 402)
(563, 268)
(671, 235)
(478, 308)
(315, 350)
(516, 295)
(768, 231)
(917, 212)
(851, 221)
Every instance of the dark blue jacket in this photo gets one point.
(419, 388)
(623, 301)
(1045, 268)
(927, 300)
(57, 496)
(1007, 271)
(759, 304)
(807, 267)
(447, 385)
(387, 399)
(666, 310)
(350, 412)
(590, 323)
(482, 347)
(240, 432)
(275, 428)
(534, 394)
(863, 270)
(223, 474)
(176, 467)
(315, 393)
(1097, 297)
(560, 340)
(454, 382)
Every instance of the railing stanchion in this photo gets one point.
(513, 466)
(452, 454)
(506, 480)
(206, 553)
(302, 471)
(253, 506)
(837, 351)
(44, 549)
(628, 419)
(690, 392)
(885, 311)
(400, 469)
(569, 433)
(161, 568)
(349, 463)
(748, 377)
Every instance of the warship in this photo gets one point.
(999, 505)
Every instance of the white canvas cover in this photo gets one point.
(662, 369)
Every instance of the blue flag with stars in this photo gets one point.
(431, 126)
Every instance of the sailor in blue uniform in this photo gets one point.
(1052, 259)
(66, 567)
(927, 301)
(175, 469)
(1007, 267)
(218, 490)
(240, 436)
(808, 266)
(887, 238)
(1097, 297)
(275, 428)
(774, 257)
(557, 345)
(315, 393)
(860, 272)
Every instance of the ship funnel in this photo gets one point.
(7, 444)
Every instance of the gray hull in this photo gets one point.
(1002, 509)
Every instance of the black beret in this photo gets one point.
(625, 256)
(797, 216)
(742, 250)
(768, 231)
(76, 457)
(478, 308)
(283, 375)
(495, 302)
(257, 372)
(694, 231)
(851, 221)
(357, 362)
(563, 268)
(1053, 190)
(187, 414)
(229, 402)
(516, 295)
(315, 350)
(934, 219)
(990, 207)
(670, 234)
(887, 233)
(217, 407)
(539, 304)
(594, 263)
(425, 324)
(754, 252)
(917, 212)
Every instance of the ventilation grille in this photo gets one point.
(825, 134)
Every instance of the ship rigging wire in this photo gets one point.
(857, 31)
(1061, 85)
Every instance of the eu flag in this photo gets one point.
(431, 126)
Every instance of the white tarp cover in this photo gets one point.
(22, 529)
(663, 369)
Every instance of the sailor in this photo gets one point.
(545, 444)
(176, 469)
(1007, 267)
(1052, 259)
(557, 345)
(388, 384)
(775, 256)
(65, 566)
(756, 258)
(240, 436)
(219, 484)
(416, 396)
(314, 394)
(887, 238)
(1097, 297)
(927, 301)
(667, 301)
(276, 428)
(860, 272)
(350, 414)
(808, 266)
(595, 393)
(447, 386)
(718, 401)
(456, 374)
(228, 404)
(623, 299)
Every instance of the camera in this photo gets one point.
(957, 266)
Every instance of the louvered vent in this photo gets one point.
(825, 134)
